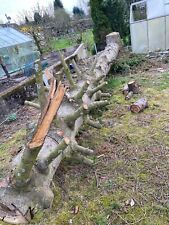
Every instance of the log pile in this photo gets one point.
(128, 91)
(66, 109)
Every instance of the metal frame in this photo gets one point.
(149, 44)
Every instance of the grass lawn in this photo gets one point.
(65, 42)
(129, 183)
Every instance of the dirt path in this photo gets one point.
(12, 136)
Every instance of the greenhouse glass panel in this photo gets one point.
(17, 50)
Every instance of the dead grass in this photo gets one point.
(134, 150)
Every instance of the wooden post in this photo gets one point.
(4, 68)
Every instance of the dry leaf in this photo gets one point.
(132, 202)
(70, 221)
(76, 209)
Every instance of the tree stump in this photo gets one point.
(133, 86)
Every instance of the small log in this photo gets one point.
(133, 86)
(125, 90)
(129, 96)
(139, 106)
(81, 92)
(67, 71)
(81, 149)
(90, 92)
(100, 95)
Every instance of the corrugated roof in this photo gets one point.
(10, 37)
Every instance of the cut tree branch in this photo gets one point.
(78, 72)
(67, 71)
(90, 92)
(94, 124)
(81, 149)
(32, 104)
(40, 86)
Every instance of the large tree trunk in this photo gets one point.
(37, 164)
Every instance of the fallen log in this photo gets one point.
(139, 106)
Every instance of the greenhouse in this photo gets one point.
(149, 25)
(17, 50)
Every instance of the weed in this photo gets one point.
(66, 42)
(125, 64)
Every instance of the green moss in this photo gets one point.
(10, 147)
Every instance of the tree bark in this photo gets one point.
(40, 86)
(67, 71)
(133, 86)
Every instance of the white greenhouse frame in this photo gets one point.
(150, 32)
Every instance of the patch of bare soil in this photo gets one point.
(6, 83)
(24, 115)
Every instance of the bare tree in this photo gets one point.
(61, 19)
(84, 4)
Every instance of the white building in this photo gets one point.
(149, 26)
